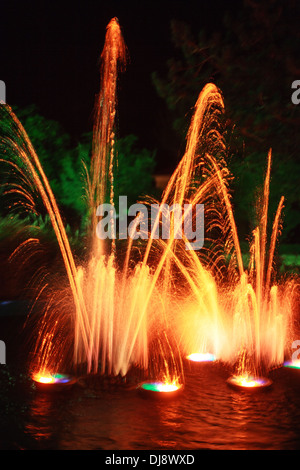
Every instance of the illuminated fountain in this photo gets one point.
(53, 382)
(104, 319)
(160, 389)
(176, 302)
(249, 383)
(239, 316)
(249, 320)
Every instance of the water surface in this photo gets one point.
(114, 416)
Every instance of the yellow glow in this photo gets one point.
(169, 384)
(44, 378)
(168, 387)
(246, 381)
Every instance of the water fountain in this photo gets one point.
(99, 322)
(177, 301)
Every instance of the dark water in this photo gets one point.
(207, 415)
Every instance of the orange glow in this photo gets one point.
(246, 381)
(177, 299)
(100, 177)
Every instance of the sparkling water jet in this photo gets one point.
(177, 300)
(101, 315)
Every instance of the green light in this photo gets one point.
(160, 387)
(152, 386)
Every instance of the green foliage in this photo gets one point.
(66, 165)
(61, 160)
(134, 170)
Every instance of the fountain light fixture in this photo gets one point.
(159, 389)
(48, 381)
(292, 364)
(201, 357)
(248, 383)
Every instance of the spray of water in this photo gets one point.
(175, 301)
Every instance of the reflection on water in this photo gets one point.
(207, 415)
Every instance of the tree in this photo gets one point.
(134, 171)
(65, 164)
(253, 61)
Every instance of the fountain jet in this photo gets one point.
(175, 301)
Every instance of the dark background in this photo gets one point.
(50, 56)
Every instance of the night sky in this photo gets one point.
(50, 57)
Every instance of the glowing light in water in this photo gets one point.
(164, 388)
(160, 387)
(292, 364)
(201, 357)
(249, 382)
(49, 378)
(43, 378)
